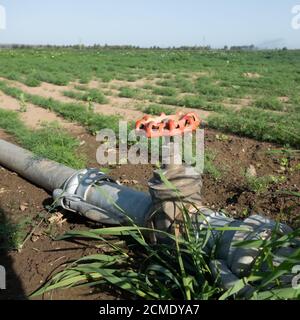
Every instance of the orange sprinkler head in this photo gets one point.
(168, 126)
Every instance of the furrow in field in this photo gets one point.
(35, 116)
(124, 107)
(47, 90)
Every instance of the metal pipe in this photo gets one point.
(94, 197)
(44, 173)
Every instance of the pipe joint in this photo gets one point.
(74, 194)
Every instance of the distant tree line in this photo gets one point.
(98, 46)
(127, 47)
(242, 48)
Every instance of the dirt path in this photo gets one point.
(35, 116)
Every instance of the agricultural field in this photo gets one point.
(53, 102)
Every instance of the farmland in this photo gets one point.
(53, 102)
(247, 93)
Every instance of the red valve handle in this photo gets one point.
(168, 125)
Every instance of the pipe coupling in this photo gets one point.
(73, 196)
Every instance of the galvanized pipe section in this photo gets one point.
(95, 196)
(47, 174)
(121, 202)
(104, 201)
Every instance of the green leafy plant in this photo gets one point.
(164, 91)
(91, 106)
(269, 104)
(88, 95)
(156, 109)
(23, 104)
(284, 162)
(11, 234)
(50, 141)
(126, 92)
(222, 137)
(177, 270)
(261, 184)
(210, 167)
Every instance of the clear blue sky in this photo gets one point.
(151, 22)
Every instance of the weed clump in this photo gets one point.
(156, 109)
(93, 95)
(50, 141)
(268, 104)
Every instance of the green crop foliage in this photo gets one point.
(260, 125)
(31, 81)
(210, 167)
(87, 95)
(50, 141)
(70, 111)
(164, 91)
(268, 104)
(11, 234)
(208, 78)
(23, 105)
(156, 109)
(129, 93)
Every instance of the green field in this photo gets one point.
(254, 94)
